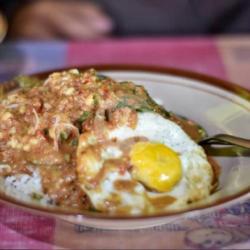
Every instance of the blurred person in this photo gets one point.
(3, 27)
(44, 19)
(79, 19)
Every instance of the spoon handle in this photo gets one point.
(223, 139)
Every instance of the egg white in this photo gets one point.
(195, 183)
(193, 158)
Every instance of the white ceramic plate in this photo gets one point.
(218, 106)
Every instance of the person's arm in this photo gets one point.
(52, 19)
(3, 27)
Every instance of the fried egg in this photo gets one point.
(151, 168)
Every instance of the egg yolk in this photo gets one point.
(155, 165)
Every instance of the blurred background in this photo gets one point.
(42, 31)
(95, 19)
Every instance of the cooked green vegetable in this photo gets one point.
(83, 117)
(28, 82)
(36, 196)
(101, 77)
(138, 99)
(74, 142)
(96, 100)
(64, 136)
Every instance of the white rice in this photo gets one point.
(4, 166)
(24, 187)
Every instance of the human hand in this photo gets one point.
(48, 19)
(3, 27)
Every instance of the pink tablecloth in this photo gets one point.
(227, 58)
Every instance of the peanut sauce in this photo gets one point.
(163, 201)
(125, 185)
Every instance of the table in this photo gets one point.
(223, 57)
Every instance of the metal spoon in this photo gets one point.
(223, 139)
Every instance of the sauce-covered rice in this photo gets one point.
(40, 125)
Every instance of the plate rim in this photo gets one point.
(191, 75)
